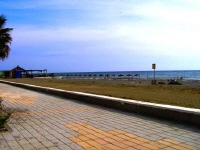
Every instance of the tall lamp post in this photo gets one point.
(154, 67)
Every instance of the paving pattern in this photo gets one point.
(46, 122)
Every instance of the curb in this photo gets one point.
(182, 114)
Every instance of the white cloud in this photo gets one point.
(116, 29)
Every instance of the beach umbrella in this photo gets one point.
(120, 75)
(80, 75)
(113, 75)
(89, 75)
(94, 76)
(129, 76)
(101, 75)
(107, 76)
(137, 75)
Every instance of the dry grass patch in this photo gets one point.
(187, 96)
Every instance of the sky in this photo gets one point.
(103, 35)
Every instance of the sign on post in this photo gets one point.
(153, 66)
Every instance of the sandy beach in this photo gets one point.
(186, 95)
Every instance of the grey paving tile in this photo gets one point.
(27, 147)
(6, 148)
(23, 141)
(75, 146)
(3, 144)
(53, 148)
(38, 145)
(65, 147)
(47, 144)
(43, 148)
(57, 142)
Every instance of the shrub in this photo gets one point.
(172, 82)
(3, 119)
(161, 82)
(1, 105)
(4, 115)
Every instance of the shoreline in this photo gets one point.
(190, 83)
(144, 75)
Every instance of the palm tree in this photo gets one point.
(5, 38)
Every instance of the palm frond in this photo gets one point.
(5, 38)
(3, 21)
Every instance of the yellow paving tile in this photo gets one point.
(131, 135)
(91, 131)
(150, 146)
(131, 148)
(103, 147)
(121, 145)
(84, 144)
(75, 129)
(140, 147)
(19, 98)
(76, 139)
(169, 148)
(142, 139)
(187, 146)
(82, 132)
(117, 138)
(178, 147)
(93, 143)
(129, 143)
(99, 135)
(97, 130)
(164, 142)
(108, 134)
(101, 141)
(113, 147)
(91, 148)
(83, 138)
(135, 141)
(171, 141)
(123, 136)
(120, 131)
(113, 132)
(157, 144)
(91, 136)
(111, 139)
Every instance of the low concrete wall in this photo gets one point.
(176, 113)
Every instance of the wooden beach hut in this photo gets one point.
(19, 72)
(14, 73)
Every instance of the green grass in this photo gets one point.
(185, 96)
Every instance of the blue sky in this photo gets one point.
(103, 35)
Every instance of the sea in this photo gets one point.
(192, 75)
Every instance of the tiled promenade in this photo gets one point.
(50, 123)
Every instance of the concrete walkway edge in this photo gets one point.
(188, 115)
